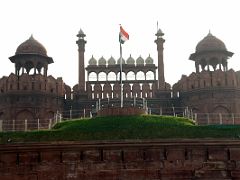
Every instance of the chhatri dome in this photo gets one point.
(111, 61)
(119, 60)
(31, 46)
(149, 60)
(102, 61)
(130, 60)
(211, 54)
(140, 61)
(210, 43)
(29, 55)
(92, 61)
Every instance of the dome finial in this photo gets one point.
(31, 46)
(159, 33)
(209, 33)
(31, 37)
(81, 34)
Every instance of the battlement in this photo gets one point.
(207, 79)
(27, 83)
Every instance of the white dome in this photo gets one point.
(149, 60)
(123, 61)
(140, 61)
(102, 61)
(111, 61)
(92, 61)
(130, 60)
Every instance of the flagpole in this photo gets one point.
(121, 85)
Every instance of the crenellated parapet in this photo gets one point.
(213, 88)
(32, 84)
(206, 80)
(31, 97)
(209, 91)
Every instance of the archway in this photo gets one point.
(150, 75)
(140, 75)
(131, 75)
(49, 117)
(102, 76)
(92, 76)
(221, 109)
(111, 76)
(25, 116)
(221, 115)
(123, 76)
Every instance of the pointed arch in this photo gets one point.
(140, 75)
(112, 76)
(107, 91)
(150, 75)
(127, 91)
(97, 91)
(136, 91)
(146, 92)
(221, 109)
(20, 120)
(116, 90)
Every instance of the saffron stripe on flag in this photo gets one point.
(123, 35)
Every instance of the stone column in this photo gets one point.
(197, 67)
(81, 68)
(45, 70)
(160, 41)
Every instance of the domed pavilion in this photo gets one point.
(31, 55)
(30, 98)
(211, 52)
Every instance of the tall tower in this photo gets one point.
(81, 68)
(159, 41)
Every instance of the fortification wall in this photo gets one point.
(207, 79)
(30, 83)
(209, 92)
(160, 159)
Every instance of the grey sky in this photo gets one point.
(55, 24)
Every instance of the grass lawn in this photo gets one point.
(125, 127)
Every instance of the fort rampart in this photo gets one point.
(136, 159)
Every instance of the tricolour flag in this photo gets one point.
(123, 35)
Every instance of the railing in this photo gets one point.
(29, 124)
(217, 118)
(102, 104)
(198, 118)
(41, 124)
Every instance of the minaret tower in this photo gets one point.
(81, 68)
(159, 41)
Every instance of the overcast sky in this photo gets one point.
(55, 23)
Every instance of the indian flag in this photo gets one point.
(123, 35)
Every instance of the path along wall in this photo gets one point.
(123, 160)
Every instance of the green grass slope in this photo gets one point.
(126, 127)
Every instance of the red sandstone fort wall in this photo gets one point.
(163, 159)
(124, 111)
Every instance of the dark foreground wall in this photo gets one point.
(137, 160)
